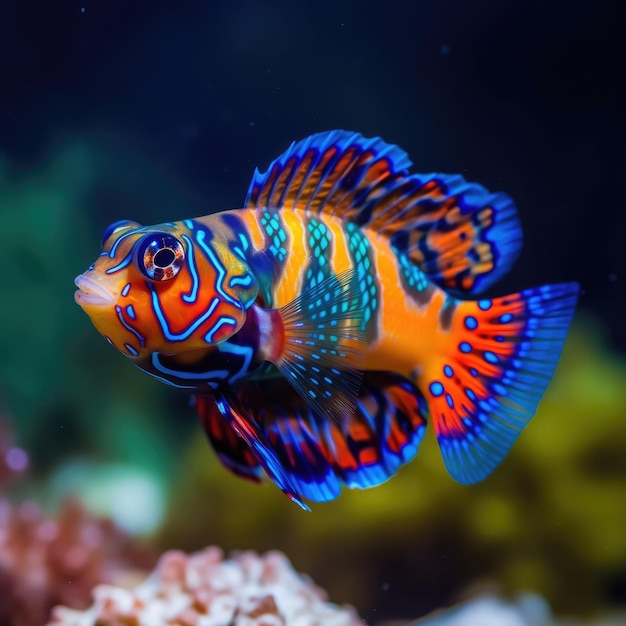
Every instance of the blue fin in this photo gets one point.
(230, 448)
(485, 384)
(251, 433)
(367, 448)
(462, 237)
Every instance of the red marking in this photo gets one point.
(368, 456)
(342, 454)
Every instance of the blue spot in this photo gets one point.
(506, 318)
(126, 289)
(474, 372)
(448, 371)
(499, 389)
(449, 400)
(490, 357)
(130, 311)
(471, 323)
(465, 347)
(131, 349)
(484, 305)
(436, 388)
(470, 394)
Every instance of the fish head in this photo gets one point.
(172, 288)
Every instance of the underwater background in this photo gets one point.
(155, 111)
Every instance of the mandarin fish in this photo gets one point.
(321, 326)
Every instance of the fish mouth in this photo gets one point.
(91, 293)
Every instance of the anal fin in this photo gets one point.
(230, 448)
(252, 435)
(364, 450)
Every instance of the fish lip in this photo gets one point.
(91, 293)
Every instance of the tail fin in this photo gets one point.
(491, 375)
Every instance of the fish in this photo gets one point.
(320, 327)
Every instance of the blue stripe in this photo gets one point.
(169, 335)
(121, 264)
(169, 382)
(202, 376)
(245, 351)
(193, 294)
(118, 310)
(243, 281)
(117, 243)
(219, 267)
(223, 320)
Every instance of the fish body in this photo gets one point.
(322, 325)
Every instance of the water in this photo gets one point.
(154, 111)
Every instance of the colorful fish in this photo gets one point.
(322, 325)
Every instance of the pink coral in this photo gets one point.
(46, 561)
(203, 589)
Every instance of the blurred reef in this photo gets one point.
(47, 560)
(204, 589)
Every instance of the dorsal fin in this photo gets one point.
(461, 236)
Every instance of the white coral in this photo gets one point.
(203, 589)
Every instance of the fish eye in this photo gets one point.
(159, 256)
(115, 227)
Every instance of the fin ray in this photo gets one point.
(324, 350)
(251, 433)
(486, 385)
(230, 448)
(364, 450)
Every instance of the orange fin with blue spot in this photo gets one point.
(463, 237)
(366, 448)
(491, 370)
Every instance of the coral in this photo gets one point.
(203, 589)
(44, 561)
